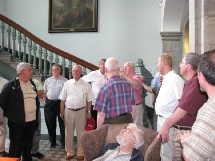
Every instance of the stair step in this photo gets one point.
(5, 58)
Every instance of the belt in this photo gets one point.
(139, 103)
(182, 127)
(53, 100)
(76, 109)
(124, 114)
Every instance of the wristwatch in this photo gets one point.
(89, 111)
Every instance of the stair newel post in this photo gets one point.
(45, 64)
(19, 38)
(40, 52)
(70, 69)
(63, 64)
(2, 37)
(141, 70)
(50, 63)
(24, 41)
(8, 38)
(84, 71)
(30, 50)
(34, 57)
(14, 56)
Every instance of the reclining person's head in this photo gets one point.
(131, 136)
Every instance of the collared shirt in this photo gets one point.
(191, 92)
(52, 87)
(156, 80)
(97, 79)
(169, 94)
(76, 93)
(200, 144)
(138, 90)
(115, 97)
(29, 96)
(112, 155)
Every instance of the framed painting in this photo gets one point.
(73, 16)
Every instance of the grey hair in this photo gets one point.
(129, 63)
(192, 59)
(112, 64)
(22, 66)
(139, 135)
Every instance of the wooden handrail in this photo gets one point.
(48, 46)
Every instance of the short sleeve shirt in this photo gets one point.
(191, 92)
(76, 93)
(115, 97)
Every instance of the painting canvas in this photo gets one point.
(73, 16)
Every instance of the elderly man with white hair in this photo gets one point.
(129, 140)
(20, 104)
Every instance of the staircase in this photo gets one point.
(19, 45)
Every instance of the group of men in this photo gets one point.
(117, 97)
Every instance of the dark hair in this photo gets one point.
(207, 66)
(192, 59)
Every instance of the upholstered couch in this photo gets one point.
(93, 141)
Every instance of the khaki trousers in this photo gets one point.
(177, 147)
(74, 120)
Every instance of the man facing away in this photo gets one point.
(199, 144)
(97, 79)
(76, 99)
(136, 81)
(52, 87)
(191, 100)
(167, 100)
(116, 97)
(127, 147)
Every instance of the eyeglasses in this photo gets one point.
(127, 130)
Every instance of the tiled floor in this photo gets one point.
(52, 154)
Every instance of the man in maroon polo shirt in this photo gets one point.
(192, 99)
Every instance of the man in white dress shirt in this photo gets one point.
(97, 79)
(76, 101)
(167, 100)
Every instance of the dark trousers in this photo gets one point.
(21, 138)
(119, 120)
(52, 112)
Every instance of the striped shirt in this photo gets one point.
(52, 87)
(115, 97)
(200, 145)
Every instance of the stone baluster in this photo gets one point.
(8, 38)
(30, 51)
(70, 69)
(14, 55)
(40, 51)
(63, 64)
(45, 63)
(34, 57)
(84, 71)
(24, 41)
(56, 60)
(19, 38)
(2, 38)
(50, 63)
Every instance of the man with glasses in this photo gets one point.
(185, 114)
(129, 140)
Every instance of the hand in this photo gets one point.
(89, 115)
(1, 123)
(164, 133)
(184, 136)
(62, 115)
